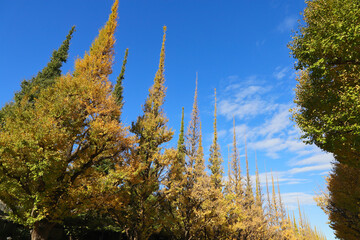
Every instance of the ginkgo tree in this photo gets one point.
(49, 151)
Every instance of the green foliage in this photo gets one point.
(327, 95)
(118, 90)
(342, 203)
(328, 98)
(49, 149)
(66, 159)
(45, 78)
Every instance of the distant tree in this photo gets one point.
(49, 151)
(187, 205)
(215, 160)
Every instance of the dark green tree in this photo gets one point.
(46, 77)
(119, 89)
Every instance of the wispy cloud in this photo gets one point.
(322, 167)
(292, 199)
(244, 108)
(287, 24)
(276, 136)
(281, 72)
(260, 43)
(319, 159)
(279, 121)
(283, 177)
(244, 100)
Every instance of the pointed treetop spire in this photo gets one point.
(249, 191)
(162, 54)
(181, 135)
(259, 200)
(215, 118)
(118, 90)
(181, 142)
(215, 157)
(281, 204)
(229, 166)
(236, 164)
(200, 154)
(192, 136)
(156, 96)
(151, 127)
(46, 77)
(196, 91)
(275, 203)
(94, 64)
(270, 207)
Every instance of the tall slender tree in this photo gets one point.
(151, 132)
(258, 196)
(236, 166)
(249, 196)
(215, 160)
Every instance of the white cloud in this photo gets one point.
(322, 167)
(278, 122)
(270, 145)
(280, 73)
(319, 159)
(292, 199)
(244, 108)
(222, 133)
(282, 177)
(250, 91)
(287, 24)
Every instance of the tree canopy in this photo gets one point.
(326, 47)
(67, 159)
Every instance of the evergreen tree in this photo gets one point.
(46, 77)
(30, 89)
(178, 166)
(119, 89)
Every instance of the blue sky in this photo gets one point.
(238, 47)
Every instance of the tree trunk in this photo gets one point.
(41, 230)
